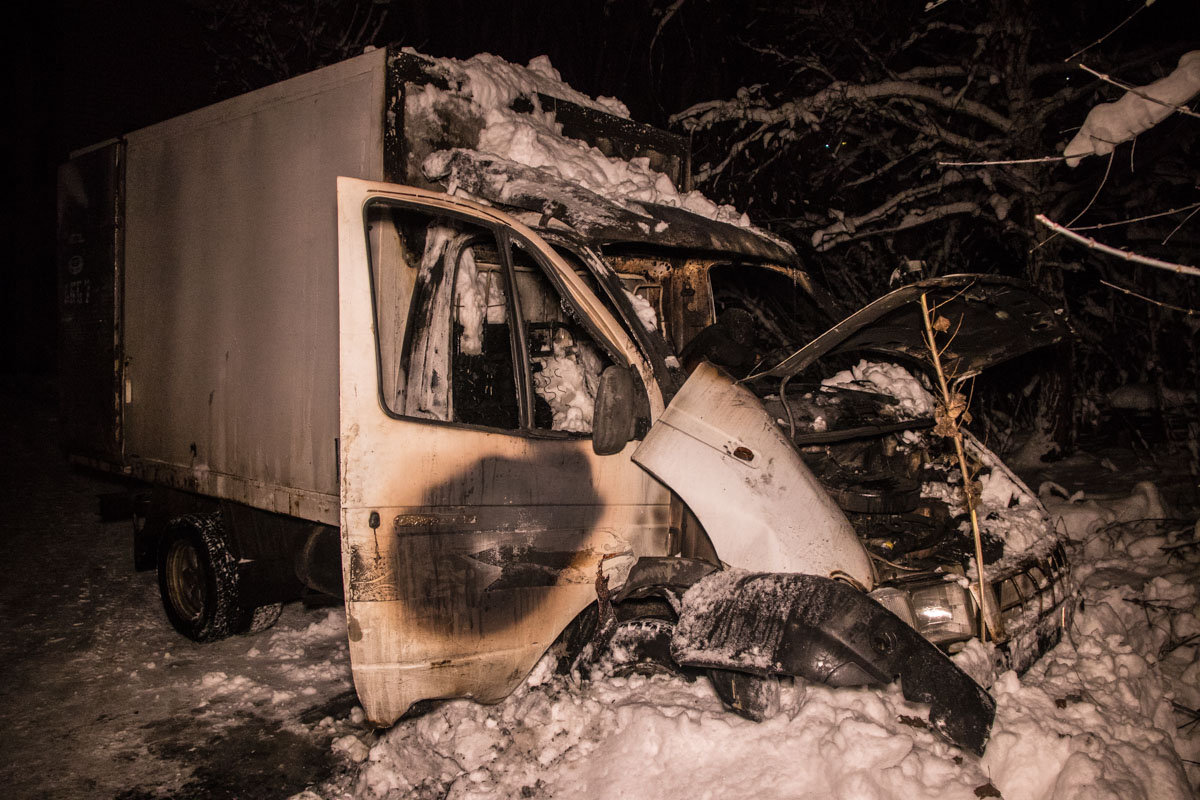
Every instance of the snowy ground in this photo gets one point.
(99, 697)
(1102, 716)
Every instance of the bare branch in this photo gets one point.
(888, 167)
(850, 225)
(928, 127)
(1100, 188)
(668, 14)
(1177, 227)
(1191, 312)
(1092, 244)
(709, 171)
(1138, 219)
(1122, 24)
(932, 73)
(838, 233)
(1000, 163)
(1075, 218)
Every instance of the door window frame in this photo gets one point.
(570, 289)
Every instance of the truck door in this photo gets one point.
(474, 512)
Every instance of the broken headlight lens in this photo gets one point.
(942, 611)
(939, 610)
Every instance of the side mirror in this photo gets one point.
(614, 419)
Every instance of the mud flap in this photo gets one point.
(824, 630)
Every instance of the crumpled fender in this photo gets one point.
(763, 509)
(825, 630)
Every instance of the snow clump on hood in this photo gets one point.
(536, 140)
(895, 381)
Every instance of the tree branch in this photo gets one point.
(809, 109)
(844, 230)
(1092, 244)
(1191, 312)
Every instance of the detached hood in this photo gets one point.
(992, 319)
(595, 217)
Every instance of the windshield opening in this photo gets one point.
(785, 316)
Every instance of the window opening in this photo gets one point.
(441, 318)
(565, 361)
(484, 387)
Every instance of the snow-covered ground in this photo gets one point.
(1093, 719)
(99, 696)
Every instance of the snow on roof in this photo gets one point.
(493, 82)
(536, 139)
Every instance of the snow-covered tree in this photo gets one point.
(908, 141)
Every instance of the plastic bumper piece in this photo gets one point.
(823, 630)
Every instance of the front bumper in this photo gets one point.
(767, 624)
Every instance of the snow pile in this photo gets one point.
(666, 738)
(493, 82)
(536, 140)
(1084, 518)
(1138, 110)
(567, 381)
(479, 297)
(1092, 721)
(643, 309)
(1008, 509)
(912, 399)
(286, 644)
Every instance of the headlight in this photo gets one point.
(943, 612)
(896, 601)
(940, 610)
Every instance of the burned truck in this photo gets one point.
(407, 331)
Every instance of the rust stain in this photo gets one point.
(403, 521)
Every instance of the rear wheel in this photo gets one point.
(199, 582)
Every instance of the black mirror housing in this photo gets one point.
(615, 417)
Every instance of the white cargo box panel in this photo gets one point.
(231, 310)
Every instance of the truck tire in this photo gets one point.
(198, 579)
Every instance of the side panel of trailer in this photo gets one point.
(231, 310)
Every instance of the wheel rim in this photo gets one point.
(186, 580)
